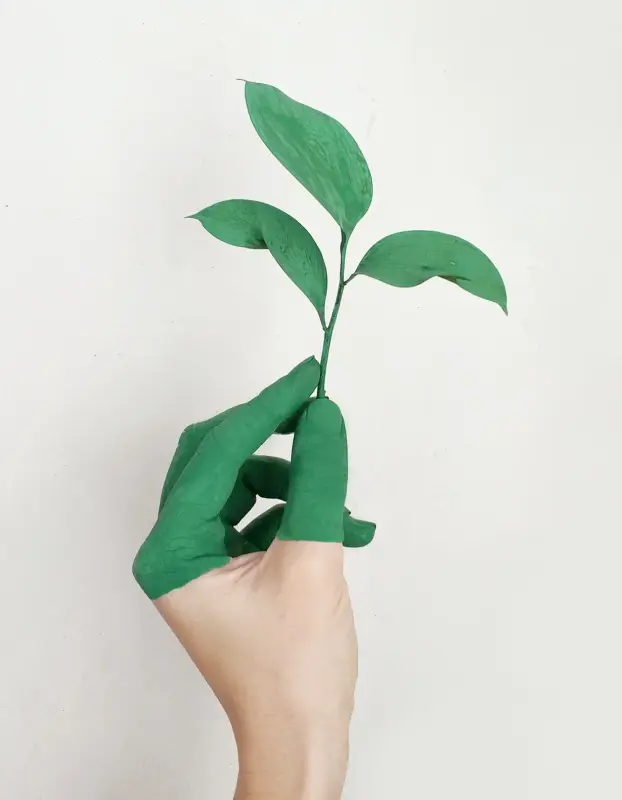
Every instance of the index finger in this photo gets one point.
(209, 478)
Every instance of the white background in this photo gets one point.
(487, 449)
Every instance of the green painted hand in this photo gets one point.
(215, 478)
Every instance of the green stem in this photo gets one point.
(328, 333)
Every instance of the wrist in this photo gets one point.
(284, 757)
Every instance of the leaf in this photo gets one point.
(316, 149)
(409, 258)
(247, 223)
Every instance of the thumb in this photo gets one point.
(319, 476)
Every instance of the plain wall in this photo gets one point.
(487, 449)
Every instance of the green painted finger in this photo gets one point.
(236, 544)
(208, 479)
(260, 476)
(188, 538)
(268, 477)
(189, 442)
(289, 426)
(194, 434)
(179, 549)
(319, 476)
(260, 533)
(357, 532)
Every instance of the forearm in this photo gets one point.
(282, 760)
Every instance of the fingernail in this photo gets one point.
(307, 362)
(310, 371)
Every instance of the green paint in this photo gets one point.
(215, 476)
(411, 257)
(316, 149)
(328, 333)
(327, 161)
(247, 223)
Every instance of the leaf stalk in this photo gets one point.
(328, 332)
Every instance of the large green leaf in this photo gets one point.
(247, 223)
(409, 258)
(316, 149)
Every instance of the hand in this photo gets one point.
(271, 630)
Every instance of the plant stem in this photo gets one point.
(328, 333)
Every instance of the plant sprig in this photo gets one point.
(324, 157)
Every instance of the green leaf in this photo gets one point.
(316, 149)
(247, 223)
(409, 258)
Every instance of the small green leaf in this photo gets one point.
(316, 149)
(409, 258)
(247, 223)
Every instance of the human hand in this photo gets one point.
(270, 629)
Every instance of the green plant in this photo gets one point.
(323, 156)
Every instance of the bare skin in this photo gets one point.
(273, 634)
